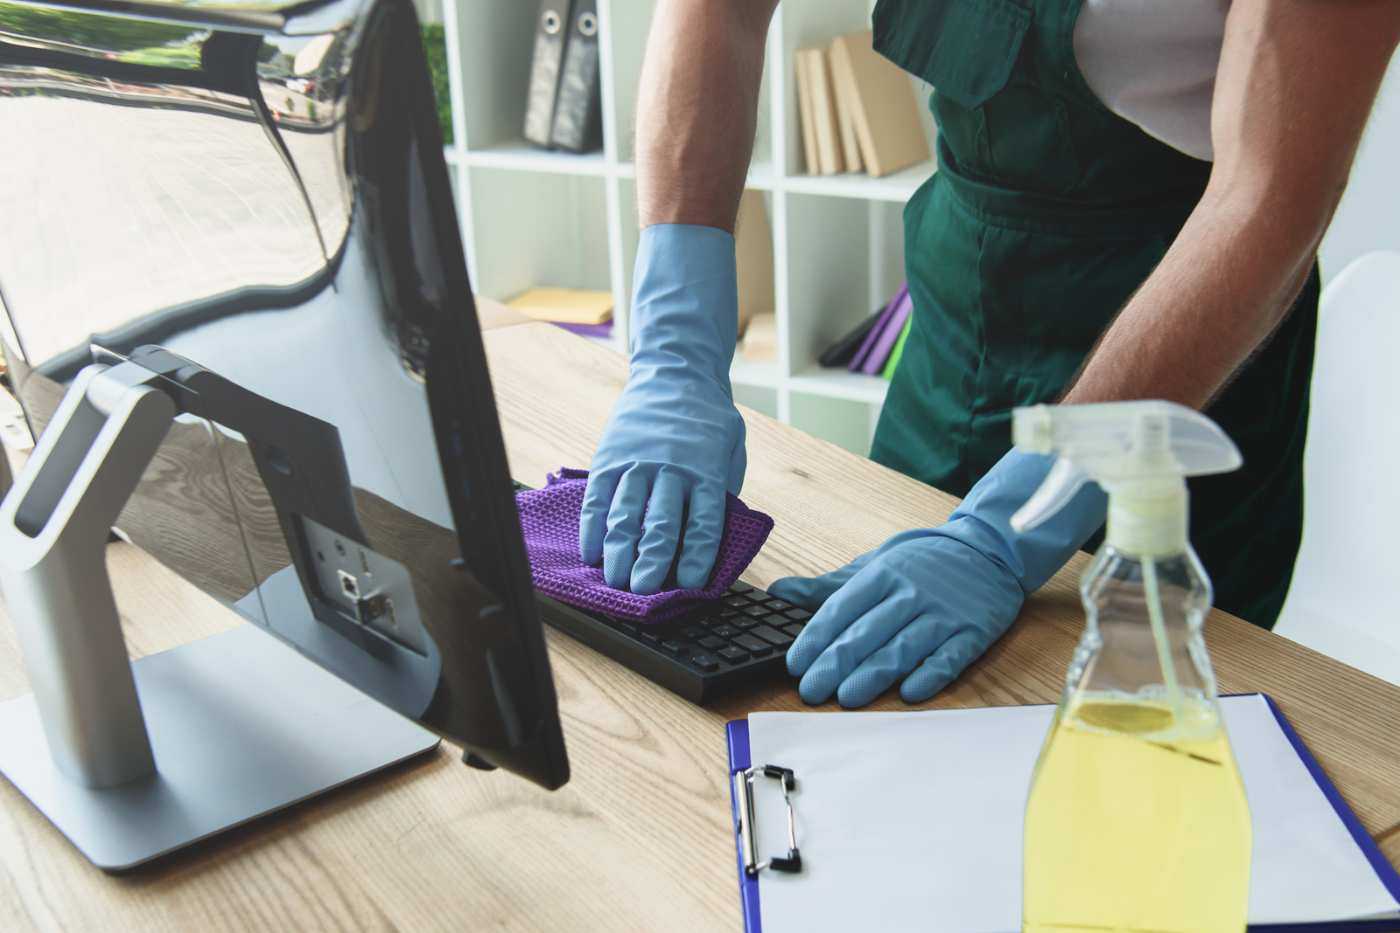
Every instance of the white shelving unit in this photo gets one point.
(531, 217)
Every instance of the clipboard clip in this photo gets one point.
(748, 831)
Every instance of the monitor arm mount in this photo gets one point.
(54, 527)
(132, 761)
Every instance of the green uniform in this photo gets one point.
(1046, 213)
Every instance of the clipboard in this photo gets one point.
(737, 733)
(740, 761)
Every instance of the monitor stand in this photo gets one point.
(134, 760)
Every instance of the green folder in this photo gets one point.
(898, 351)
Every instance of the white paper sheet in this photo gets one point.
(912, 821)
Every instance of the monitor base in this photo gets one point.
(241, 726)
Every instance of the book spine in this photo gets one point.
(889, 334)
(806, 112)
(857, 363)
(824, 105)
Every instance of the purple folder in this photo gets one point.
(857, 363)
(889, 335)
(587, 330)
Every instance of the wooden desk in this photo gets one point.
(640, 839)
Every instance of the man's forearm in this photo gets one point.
(1220, 291)
(697, 109)
(1292, 94)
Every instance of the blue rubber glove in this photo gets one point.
(674, 444)
(928, 602)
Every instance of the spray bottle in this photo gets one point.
(1137, 818)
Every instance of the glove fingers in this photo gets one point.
(809, 592)
(859, 620)
(897, 657)
(830, 620)
(593, 520)
(625, 526)
(661, 532)
(704, 528)
(941, 667)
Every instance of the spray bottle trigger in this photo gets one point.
(1059, 486)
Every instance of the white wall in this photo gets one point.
(1369, 216)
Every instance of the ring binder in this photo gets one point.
(748, 831)
(577, 117)
(550, 37)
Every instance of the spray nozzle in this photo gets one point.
(1139, 452)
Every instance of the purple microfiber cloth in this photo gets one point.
(549, 519)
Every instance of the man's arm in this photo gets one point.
(1295, 85)
(674, 444)
(697, 109)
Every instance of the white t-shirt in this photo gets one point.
(1153, 62)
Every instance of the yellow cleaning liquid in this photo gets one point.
(1137, 821)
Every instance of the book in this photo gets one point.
(806, 113)
(760, 341)
(846, 122)
(823, 104)
(857, 362)
(888, 334)
(843, 350)
(886, 115)
(564, 305)
(753, 250)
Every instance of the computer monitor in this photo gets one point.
(232, 277)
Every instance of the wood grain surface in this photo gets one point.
(1390, 845)
(640, 838)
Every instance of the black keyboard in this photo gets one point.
(708, 652)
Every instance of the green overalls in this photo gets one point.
(1045, 215)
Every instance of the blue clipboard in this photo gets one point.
(737, 733)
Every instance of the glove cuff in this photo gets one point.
(984, 520)
(685, 300)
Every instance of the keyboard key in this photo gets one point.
(706, 662)
(757, 612)
(771, 635)
(743, 622)
(729, 613)
(741, 587)
(794, 628)
(733, 655)
(650, 637)
(798, 615)
(755, 646)
(674, 647)
(725, 631)
(736, 601)
(693, 632)
(776, 604)
(711, 643)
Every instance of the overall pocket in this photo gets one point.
(966, 49)
(1002, 118)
